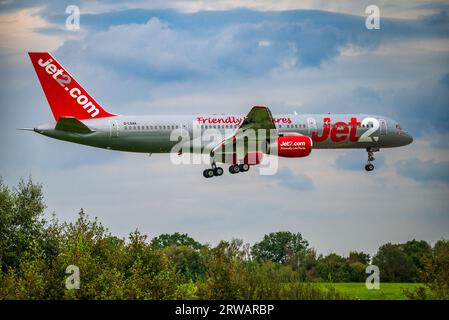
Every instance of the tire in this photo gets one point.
(208, 173)
(218, 171)
(369, 167)
(234, 169)
(244, 167)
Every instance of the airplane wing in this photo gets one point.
(258, 118)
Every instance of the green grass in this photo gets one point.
(387, 291)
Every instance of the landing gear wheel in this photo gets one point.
(369, 166)
(234, 169)
(218, 171)
(208, 173)
(244, 167)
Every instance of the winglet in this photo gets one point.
(259, 117)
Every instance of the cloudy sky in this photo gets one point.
(203, 57)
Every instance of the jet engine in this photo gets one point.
(290, 146)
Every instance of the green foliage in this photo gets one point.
(387, 290)
(394, 264)
(417, 251)
(175, 239)
(435, 275)
(280, 247)
(231, 275)
(333, 268)
(361, 257)
(21, 222)
(35, 253)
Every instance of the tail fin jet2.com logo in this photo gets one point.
(64, 81)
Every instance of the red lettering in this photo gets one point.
(339, 132)
(353, 134)
(326, 128)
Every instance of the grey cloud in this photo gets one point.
(356, 159)
(424, 171)
(286, 178)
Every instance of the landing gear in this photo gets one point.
(234, 169)
(369, 166)
(208, 173)
(214, 171)
(218, 171)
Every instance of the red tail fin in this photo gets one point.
(66, 97)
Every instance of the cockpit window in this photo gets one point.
(398, 126)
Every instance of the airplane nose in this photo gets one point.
(408, 139)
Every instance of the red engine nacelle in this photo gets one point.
(291, 146)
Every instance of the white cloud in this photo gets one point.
(18, 32)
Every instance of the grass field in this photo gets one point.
(387, 291)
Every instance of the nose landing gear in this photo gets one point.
(369, 166)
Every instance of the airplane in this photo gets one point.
(79, 118)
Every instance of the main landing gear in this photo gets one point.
(236, 168)
(214, 171)
(369, 166)
(218, 171)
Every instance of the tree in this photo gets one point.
(22, 223)
(175, 239)
(435, 274)
(355, 256)
(436, 270)
(394, 264)
(333, 268)
(417, 251)
(187, 261)
(280, 247)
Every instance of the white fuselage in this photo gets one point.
(151, 134)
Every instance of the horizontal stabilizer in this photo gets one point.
(72, 124)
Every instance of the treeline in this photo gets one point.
(35, 253)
